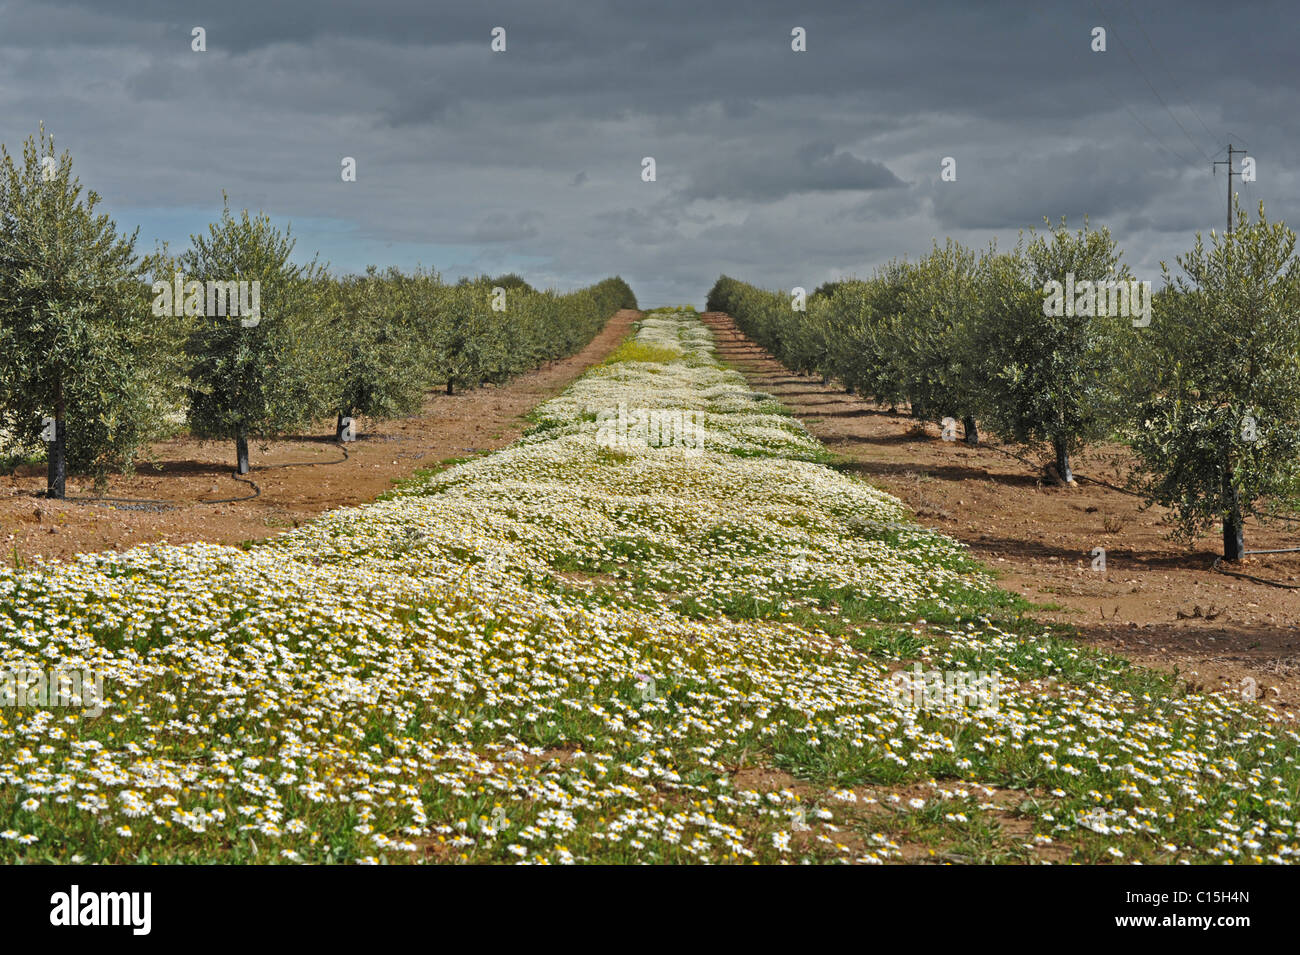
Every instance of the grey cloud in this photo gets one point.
(786, 168)
(506, 227)
(815, 167)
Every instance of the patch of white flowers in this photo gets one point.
(559, 653)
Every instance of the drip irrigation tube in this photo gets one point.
(1217, 560)
(1251, 577)
(257, 491)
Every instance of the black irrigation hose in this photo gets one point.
(1078, 476)
(1259, 580)
(257, 491)
(1282, 517)
(306, 464)
(1217, 560)
(123, 500)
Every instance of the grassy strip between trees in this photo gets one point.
(562, 652)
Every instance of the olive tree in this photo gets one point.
(938, 308)
(1219, 433)
(74, 332)
(860, 345)
(1047, 330)
(264, 369)
(381, 372)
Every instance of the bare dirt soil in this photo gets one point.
(1157, 602)
(294, 480)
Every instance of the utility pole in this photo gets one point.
(1234, 543)
(1231, 172)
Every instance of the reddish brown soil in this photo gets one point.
(1158, 602)
(185, 471)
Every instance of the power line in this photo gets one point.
(1155, 141)
(1127, 52)
(1161, 62)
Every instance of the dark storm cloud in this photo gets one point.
(1102, 183)
(813, 167)
(788, 168)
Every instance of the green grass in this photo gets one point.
(632, 350)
